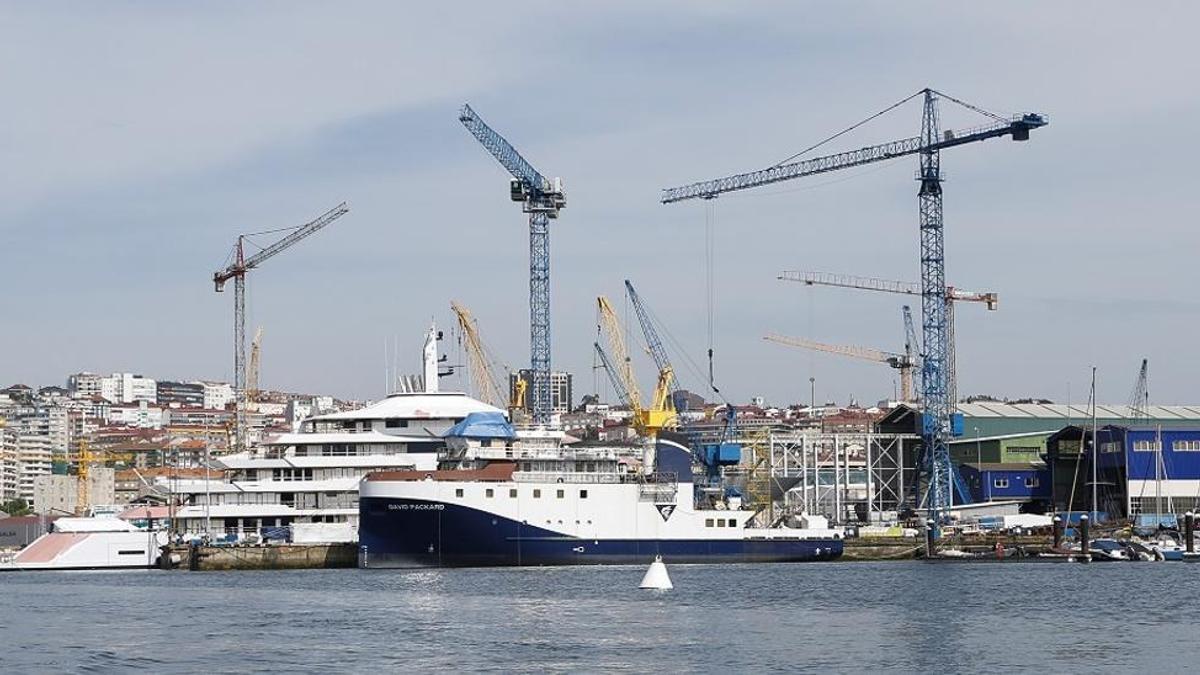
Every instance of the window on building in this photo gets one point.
(489, 492)
(1146, 446)
(1000, 483)
(1186, 446)
(583, 494)
(1032, 482)
(458, 492)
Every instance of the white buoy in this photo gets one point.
(656, 577)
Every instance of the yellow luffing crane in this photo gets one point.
(482, 377)
(660, 413)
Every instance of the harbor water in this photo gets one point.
(850, 617)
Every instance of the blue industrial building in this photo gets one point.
(1140, 470)
(1007, 482)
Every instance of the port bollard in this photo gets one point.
(1084, 542)
(929, 541)
(1189, 531)
(1058, 532)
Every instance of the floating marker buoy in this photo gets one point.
(656, 577)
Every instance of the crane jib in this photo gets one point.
(1018, 127)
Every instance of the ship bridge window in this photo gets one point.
(583, 494)
(395, 423)
(561, 493)
(537, 494)
(512, 492)
(489, 492)
(733, 522)
(708, 522)
(458, 492)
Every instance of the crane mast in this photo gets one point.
(542, 199)
(236, 271)
(936, 423)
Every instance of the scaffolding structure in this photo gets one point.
(847, 477)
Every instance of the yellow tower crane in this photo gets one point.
(252, 391)
(901, 362)
(83, 488)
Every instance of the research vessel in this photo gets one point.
(503, 497)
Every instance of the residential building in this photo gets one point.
(129, 388)
(59, 495)
(180, 394)
(217, 395)
(560, 390)
(85, 385)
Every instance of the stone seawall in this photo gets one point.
(264, 557)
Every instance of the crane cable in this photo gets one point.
(710, 216)
(850, 128)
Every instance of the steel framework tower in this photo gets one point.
(541, 199)
(928, 145)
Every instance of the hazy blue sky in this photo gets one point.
(139, 139)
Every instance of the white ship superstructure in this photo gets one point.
(304, 486)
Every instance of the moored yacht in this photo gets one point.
(303, 486)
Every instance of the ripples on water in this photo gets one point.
(849, 617)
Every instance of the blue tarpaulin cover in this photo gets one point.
(482, 425)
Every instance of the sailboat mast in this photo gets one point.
(1095, 448)
(1158, 465)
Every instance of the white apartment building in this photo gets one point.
(34, 459)
(217, 395)
(129, 388)
(85, 385)
(138, 415)
(9, 465)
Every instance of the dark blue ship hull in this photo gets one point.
(411, 533)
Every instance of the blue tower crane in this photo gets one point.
(542, 199)
(936, 421)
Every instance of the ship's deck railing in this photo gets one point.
(568, 477)
(541, 453)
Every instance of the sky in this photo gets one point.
(139, 139)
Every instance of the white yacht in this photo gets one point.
(303, 486)
(96, 542)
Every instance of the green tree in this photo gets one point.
(16, 507)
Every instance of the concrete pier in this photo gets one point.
(264, 557)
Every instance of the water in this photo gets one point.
(845, 617)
